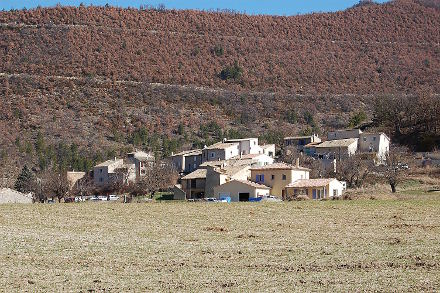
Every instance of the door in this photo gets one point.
(314, 193)
(243, 196)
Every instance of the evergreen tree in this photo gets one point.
(25, 180)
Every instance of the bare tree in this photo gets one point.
(159, 175)
(121, 181)
(395, 167)
(57, 184)
(83, 186)
(354, 170)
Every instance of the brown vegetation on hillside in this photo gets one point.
(395, 46)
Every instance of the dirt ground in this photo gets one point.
(357, 245)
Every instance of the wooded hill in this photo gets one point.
(368, 49)
(108, 79)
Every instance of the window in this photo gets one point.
(273, 177)
(193, 183)
(212, 155)
(100, 170)
(101, 179)
(365, 139)
(284, 177)
(195, 166)
(255, 143)
(195, 159)
(259, 178)
(374, 138)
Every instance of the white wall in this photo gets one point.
(234, 188)
(336, 186)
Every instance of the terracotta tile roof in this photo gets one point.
(280, 166)
(337, 143)
(252, 184)
(232, 170)
(197, 174)
(303, 183)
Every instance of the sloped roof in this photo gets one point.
(189, 153)
(221, 145)
(312, 144)
(109, 162)
(337, 143)
(304, 183)
(197, 174)
(248, 183)
(8, 195)
(280, 166)
(231, 170)
(240, 139)
(298, 137)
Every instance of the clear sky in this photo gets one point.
(278, 7)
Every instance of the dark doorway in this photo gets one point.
(243, 196)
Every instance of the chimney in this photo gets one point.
(224, 139)
(241, 155)
(297, 162)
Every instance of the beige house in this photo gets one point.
(337, 149)
(105, 173)
(216, 176)
(194, 184)
(269, 150)
(187, 161)
(220, 151)
(315, 188)
(278, 175)
(247, 146)
(141, 161)
(241, 190)
(375, 143)
(73, 177)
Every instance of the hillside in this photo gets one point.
(396, 47)
(108, 79)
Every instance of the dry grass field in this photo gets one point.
(361, 245)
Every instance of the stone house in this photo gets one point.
(187, 161)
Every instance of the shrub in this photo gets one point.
(231, 72)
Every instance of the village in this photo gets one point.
(232, 170)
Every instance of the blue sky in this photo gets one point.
(278, 7)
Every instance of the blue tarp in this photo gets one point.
(225, 198)
(255, 199)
